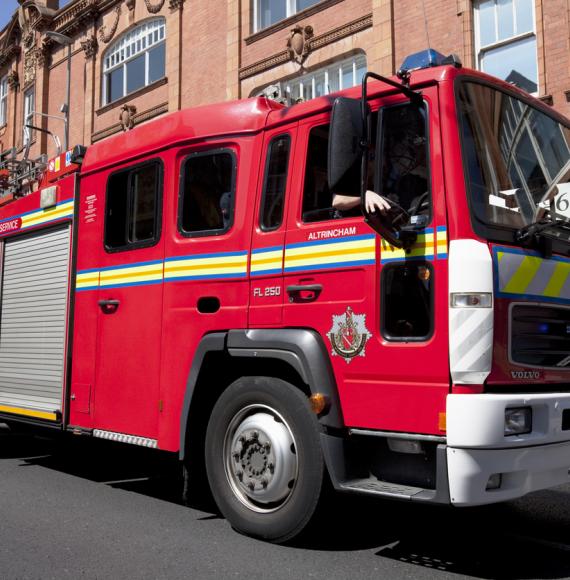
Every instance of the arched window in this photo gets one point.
(135, 60)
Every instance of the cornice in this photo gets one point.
(314, 43)
(76, 15)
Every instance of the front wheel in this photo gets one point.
(263, 458)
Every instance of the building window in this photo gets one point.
(29, 104)
(340, 75)
(505, 40)
(268, 12)
(136, 60)
(3, 101)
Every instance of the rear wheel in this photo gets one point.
(263, 458)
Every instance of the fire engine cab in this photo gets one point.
(193, 285)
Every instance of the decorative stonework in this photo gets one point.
(9, 54)
(107, 36)
(175, 4)
(29, 67)
(137, 119)
(154, 8)
(127, 117)
(13, 80)
(299, 43)
(131, 4)
(90, 47)
(42, 55)
(76, 16)
(315, 43)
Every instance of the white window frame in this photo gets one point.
(309, 79)
(290, 9)
(29, 105)
(139, 40)
(3, 101)
(480, 50)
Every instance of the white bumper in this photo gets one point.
(478, 449)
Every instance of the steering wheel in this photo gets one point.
(390, 223)
(422, 201)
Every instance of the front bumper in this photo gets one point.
(478, 449)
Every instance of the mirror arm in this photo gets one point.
(414, 96)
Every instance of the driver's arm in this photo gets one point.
(372, 201)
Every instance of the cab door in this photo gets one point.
(129, 302)
(381, 311)
(268, 240)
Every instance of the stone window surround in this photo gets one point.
(108, 50)
(286, 22)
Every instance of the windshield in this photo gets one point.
(517, 159)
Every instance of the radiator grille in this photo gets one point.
(540, 335)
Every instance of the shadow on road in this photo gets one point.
(529, 538)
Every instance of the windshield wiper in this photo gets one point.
(530, 231)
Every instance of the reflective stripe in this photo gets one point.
(28, 413)
(525, 274)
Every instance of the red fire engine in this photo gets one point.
(192, 286)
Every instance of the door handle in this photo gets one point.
(304, 292)
(109, 306)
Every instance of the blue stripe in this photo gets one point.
(204, 277)
(266, 272)
(87, 271)
(127, 284)
(201, 256)
(83, 288)
(263, 250)
(331, 241)
(131, 266)
(442, 256)
(534, 297)
(38, 211)
(406, 259)
(441, 229)
(333, 265)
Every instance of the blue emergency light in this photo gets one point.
(427, 59)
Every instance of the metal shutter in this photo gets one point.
(33, 318)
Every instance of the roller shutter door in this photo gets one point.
(33, 319)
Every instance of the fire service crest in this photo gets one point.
(349, 335)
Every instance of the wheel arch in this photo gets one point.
(294, 354)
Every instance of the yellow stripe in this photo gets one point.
(205, 267)
(29, 413)
(523, 276)
(337, 247)
(500, 256)
(334, 253)
(47, 215)
(557, 280)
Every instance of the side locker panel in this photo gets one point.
(33, 322)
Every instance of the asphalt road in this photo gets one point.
(85, 508)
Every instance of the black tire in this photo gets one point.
(249, 431)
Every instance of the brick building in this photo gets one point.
(133, 60)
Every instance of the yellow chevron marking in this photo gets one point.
(28, 413)
(557, 280)
(523, 275)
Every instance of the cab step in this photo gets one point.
(371, 485)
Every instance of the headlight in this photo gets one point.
(518, 421)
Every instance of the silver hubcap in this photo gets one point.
(260, 456)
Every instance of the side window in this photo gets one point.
(207, 191)
(132, 217)
(317, 198)
(407, 301)
(275, 183)
(404, 170)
